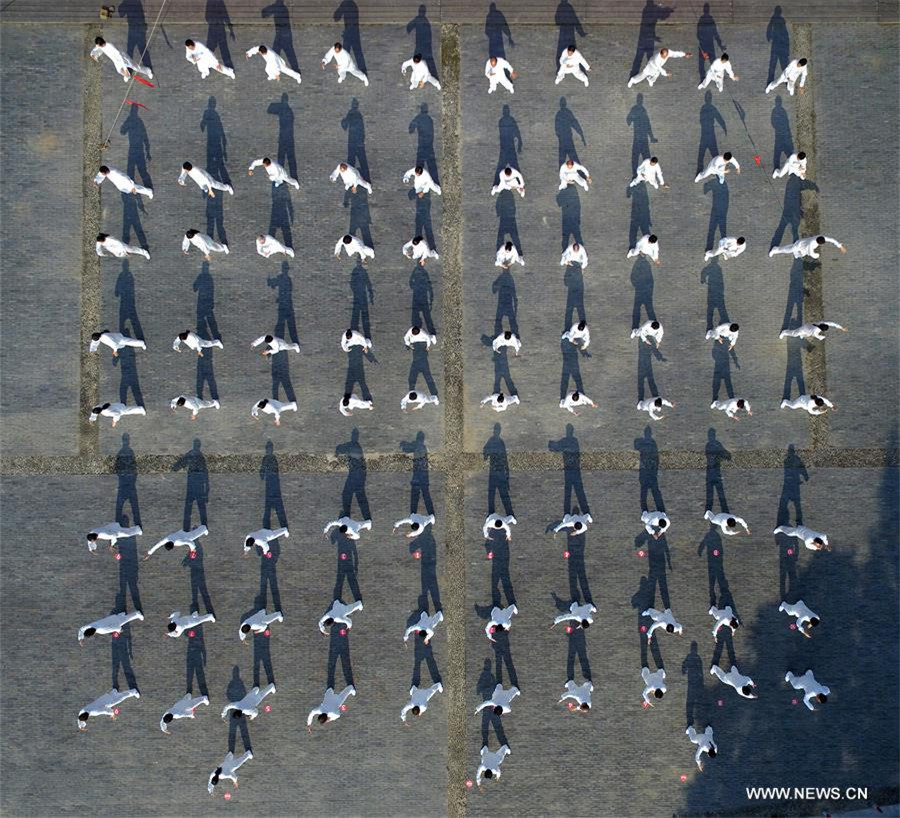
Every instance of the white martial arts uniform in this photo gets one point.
(728, 247)
(662, 619)
(353, 338)
(575, 523)
(802, 532)
(578, 334)
(507, 339)
(419, 250)
(791, 76)
(182, 623)
(182, 709)
(116, 411)
(275, 65)
(647, 247)
(123, 183)
(419, 697)
(575, 399)
(734, 678)
(270, 246)
(572, 256)
(491, 761)
(351, 178)
(580, 694)
(650, 172)
(228, 769)
(577, 614)
(721, 520)
(506, 257)
(121, 62)
(422, 181)
(115, 341)
(414, 400)
(806, 248)
(112, 533)
(653, 407)
(205, 60)
(802, 612)
(500, 402)
(808, 684)
(204, 244)
(274, 345)
(500, 698)
(499, 74)
(500, 617)
(723, 333)
(809, 403)
(353, 247)
(203, 180)
(510, 179)
(110, 624)
(345, 65)
(816, 330)
(262, 537)
(272, 407)
(704, 742)
(732, 406)
(716, 74)
(724, 617)
(654, 69)
(276, 173)
(427, 624)
(414, 335)
(577, 175)
(347, 404)
(792, 165)
(572, 63)
(353, 527)
(181, 538)
(332, 704)
(656, 523)
(653, 682)
(718, 167)
(195, 342)
(419, 74)
(259, 622)
(105, 705)
(497, 522)
(649, 330)
(416, 522)
(194, 403)
(340, 614)
(118, 249)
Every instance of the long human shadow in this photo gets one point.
(128, 314)
(216, 144)
(566, 124)
(502, 373)
(419, 486)
(347, 565)
(287, 155)
(504, 287)
(494, 452)
(795, 474)
(422, 299)
(507, 226)
(642, 132)
(793, 309)
(784, 140)
(777, 34)
(569, 25)
(235, 691)
(281, 376)
(641, 222)
(648, 473)
(570, 216)
(659, 562)
(495, 27)
(646, 382)
(573, 281)
(793, 371)
(422, 29)
(501, 647)
(715, 453)
(579, 588)
(215, 217)
(361, 217)
(707, 38)
(283, 43)
(206, 375)
(339, 651)
(193, 561)
(355, 126)
(357, 472)
(423, 225)
(126, 492)
(419, 366)
(641, 600)
(712, 276)
(722, 358)
(127, 551)
(709, 143)
(511, 144)
(197, 489)
(356, 373)
(651, 14)
(426, 548)
(218, 21)
(270, 476)
(348, 11)
(718, 211)
(573, 484)
(205, 287)
(642, 282)
(136, 44)
(281, 217)
(262, 652)
(697, 708)
(128, 376)
(485, 685)
(792, 208)
(138, 141)
(284, 300)
(725, 636)
(363, 295)
(195, 661)
(131, 221)
(122, 651)
(576, 648)
(714, 547)
(424, 653)
(422, 125)
(571, 367)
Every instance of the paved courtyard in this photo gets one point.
(62, 475)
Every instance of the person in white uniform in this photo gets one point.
(575, 253)
(122, 182)
(572, 62)
(579, 694)
(649, 171)
(805, 616)
(497, 522)
(654, 69)
(418, 700)
(121, 62)
(262, 537)
(198, 54)
(807, 248)
(725, 618)
(353, 338)
(662, 619)
(414, 335)
(728, 247)
(112, 533)
(349, 527)
(656, 523)
(795, 165)
(794, 75)
(106, 245)
(732, 406)
(182, 709)
(344, 63)
(179, 539)
(507, 338)
(816, 330)
(422, 181)
(578, 334)
(272, 407)
(276, 173)
(353, 246)
(508, 255)
(352, 401)
(813, 404)
(267, 246)
(105, 705)
(274, 345)
(339, 614)
(648, 245)
(581, 614)
(575, 399)
(258, 623)
(718, 166)
(351, 178)
(203, 243)
(813, 540)
(812, 690)
(718, 68)
(723, 333)
(178, 624)
(500, 402)
(419, 73)
(331, 707)
(202, 179)
(418, 250)
(654, 684)
(500, 700)
(490, 763)
(116, 411)
(193, 341)
(115, 341)
(743, 685)
(412, 401)
(573, 523)
(510, 179)
(227, 770)
(500, 620)
(499, 72)
(704, 742)
(275, 65)
(654, 407)
(425, 626)
(194, 403)
(109, 624)
(729, 524)
(650, 332)
(417, 524)
(572, 173)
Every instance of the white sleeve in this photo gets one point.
(255, 164)
(185, 244)
(252, 51)
(98, 179)
(407, 64)
(729, 70)
(329, 56)
(408, 175)
(487, 68)
(835, 242)
(258, 341)
(182, 176)
(96, 51)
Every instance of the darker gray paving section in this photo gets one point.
(856, 108)
(359, 765)
(41, 175)
(244, 300)
(621, 760)
(755, 288)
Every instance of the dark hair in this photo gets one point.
(168, 717)
(724, 57)
(263, 50)
(343, 528)
(183, 335)
(654, 324)
(337, 45)
(727, 155)
(348, 334)
(740, 403)
(659, 693)
(498, 711)
(237, 714)
(670, 628)
(820, 239)
(734, 327)
(663, 523)
(653, 239)
(322, 718)
(571, 47)
(657, 402)
(813, 621)
(347, 238)
(801, 61)
(263, 403)
(488, 774)
(507, 334)
(191, 233)
(585, 623)
(509, 246)
(187, 166)
(801, 155)
(416, 330)
(104, 169)
(90, 631)
(95, 336)
(99, 41)
(83, 716)
(414, 526)
(819, 540)
(653, 160)
(741, 240)
(416, 239)
(823, 327)
(822, 697)
(818, 401)
(734, 624)
(102, 236)
(328, 621)
(189, 43)
(215, 778)
(269, 338)
(499, 629)
(582, 325)
(416, 710)
(171, 627)
(245, 628)
(345, 400)
(417, 58)
(584, 706)
(169, 545)
(508, 170)
(266, 160)
(413, 395)
(712, 752)
(92, 537)
(498, 523)
(747, 690)
(419, 169)
(575, 395)
(731, 522)
(180, 401)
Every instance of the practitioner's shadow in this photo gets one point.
(659, 559)
(643, 599)
(205, 288)
(193, 561)
(570, 215)
(510, 143)
(722, 358)
(725, 636)
(217, 20)
(577, 649)
(420, 366)
(707, 38)
(134, 129)
(566, 124)
(712, 276)
(651, 14)
(777, 34)
(569, 25)
(502, 653)
(127, 550)
(507, 226)
(216, 144)
(792, 209)
(206, 376)
(354, 124)
(715, 562)
(284, 299)
(709, 118)
(496, 548)
(648, 473)
(126, 492)
(235, 691)
(128, 380)
(283, 43)
(347, 565)
(502, 374)
(215, 217)
(363, 295)
(718, 211)
(339, 651)
(715, 454)
(423, 218)
(195, 661)
(281, 376)
(781, 125)
(570, 450)
(197, 490)
(422, 29)
(348, 11)
(697, 709)
(641, 222)
(485, 688)
(495, 27)
(136, 45)
(281, 217)
(795, 474)
(122, 649)
(128, 313)
(425, 546)
(794, 367)
(422, 299)
(419, 485)
(645, 380)
(642, 136)
(793, 310)
(355, 484)
(571, 367)
(131, 221)
(262, 653)
(270, 476)
(287, 156)
(642, 282)
(573, 281)
(494, 452)
(361, 216)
